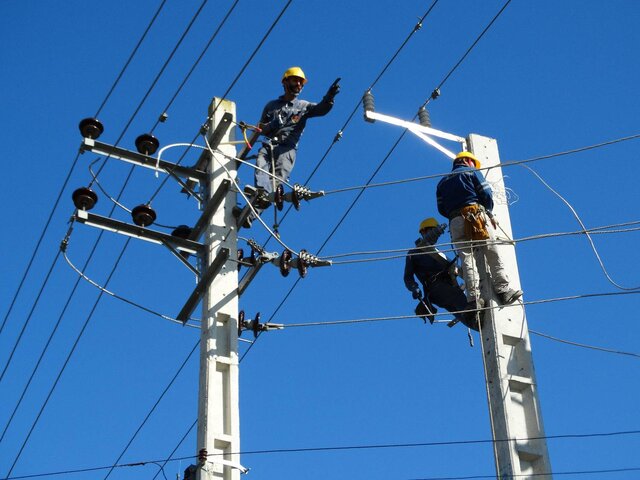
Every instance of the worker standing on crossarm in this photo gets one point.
(436, 273)
(282, 122)
(466, 199)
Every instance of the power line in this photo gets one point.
(235, 80)
(73, 164)
(153, 408)
(528, 475)
(66, 362)
(351, 447)
(583, 345)
(168, 459)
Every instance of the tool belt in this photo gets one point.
(475, 222)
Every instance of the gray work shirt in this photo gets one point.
(284, 121)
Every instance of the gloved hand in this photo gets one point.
(416, 293)
(334, 89)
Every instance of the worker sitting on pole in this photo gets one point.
(465, 198)
(283, 120)
(436, 273)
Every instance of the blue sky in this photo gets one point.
(546, 78)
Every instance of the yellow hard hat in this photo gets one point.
(294, 72)
(428, 223)
(470, 156)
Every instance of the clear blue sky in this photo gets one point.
(547, 77)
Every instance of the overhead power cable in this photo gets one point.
(195, 64)
(73, 164)
(340, 132)
(350, 447)
(583, 345)
(233, 83)
(153, 408)
(66, 362)
(169, 458)
(455, 67)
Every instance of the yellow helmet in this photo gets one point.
(294, 72)
(469, 155)
(427, 223)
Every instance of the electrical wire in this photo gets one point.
(235, 80)
(350, 447)
(529, 475)
(577, 217)
(168, 459)
(195, 64)
(157, 402)
(455, 67)
(121, 298)
(155, 80)
(66, 362)
(583, 345)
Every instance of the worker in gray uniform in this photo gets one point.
(466, 199)
(282, 123)
(437, 275)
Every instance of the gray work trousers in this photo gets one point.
(284, 157)
(481, 249)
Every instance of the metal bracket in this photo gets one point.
(212, 205)
(135, 231)
(214, 142)
(203, 284)
(194, 175)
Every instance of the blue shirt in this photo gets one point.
(284, 121)
(463, 186)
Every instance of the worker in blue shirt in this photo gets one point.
(282, 122)
(465, 198)
(437, 275)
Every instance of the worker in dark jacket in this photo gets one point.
(465, 198)
(282, 122)
(436, 273)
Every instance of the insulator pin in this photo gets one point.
(147, 144)
(84, 198)
(143, 215)
(91, 128)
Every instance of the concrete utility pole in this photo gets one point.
(514, 406)
(218, 416)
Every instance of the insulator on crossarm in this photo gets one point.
(84, 198)
(143, 215)
(147, 144)
(369, 105)
(91, 128)
(423, 117)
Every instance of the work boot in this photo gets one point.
(510, 296)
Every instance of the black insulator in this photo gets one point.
(91, 128)
(435, 94)
(84, 198)
(423, 117)
(278, 198)
(284, 263)
(182, 231)
(147, 144)
(369, 105)
(302, 264)
(295, 199)
(143, 215)
(255, 326)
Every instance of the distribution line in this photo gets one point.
(169, 458)
(66, 362)
(195, 64)
(73, 164)
(340, 132)
(502, 165)
(235, 80)
(529, 475)
(133, 53)
(455, 67)
(352, 447)
(583, 345)
(153, 408)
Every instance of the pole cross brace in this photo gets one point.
(193, 175)
(212, 205)
(203, 285)
(214, 142)
(153, 236)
